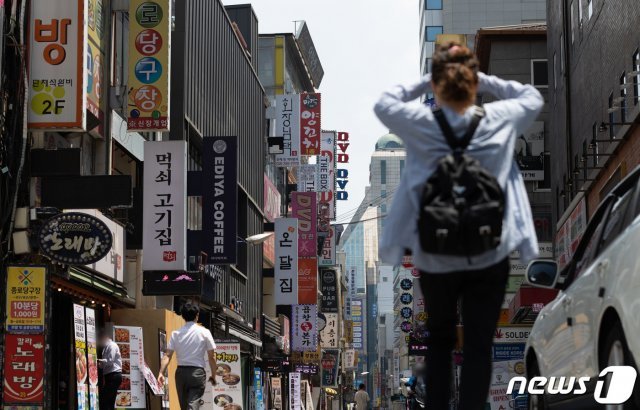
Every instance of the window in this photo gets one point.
(383, 193)
(635, 63)
(615, 220)
(589, 8)
(431, 33)
(383, 172)
(383, 209)
(385, 279)
(579, 13)
(573, 23)
(555, 71)
(433, 4)
(591, 248)
(612, 132)
(594, 143)
(427, 65)
(623, 97)
(402, 161)
(539, 74)
(562, 53)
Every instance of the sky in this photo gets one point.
(365, 46)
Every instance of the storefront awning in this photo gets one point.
(247, 339)
(91, 288)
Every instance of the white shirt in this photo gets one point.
(362, 400)
(191, 343)
(113, 360)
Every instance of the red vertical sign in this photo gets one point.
(307, 281)
(24, 369)
(310, 126)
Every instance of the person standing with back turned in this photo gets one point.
(191, 343)
(436, 141)
(362, 398)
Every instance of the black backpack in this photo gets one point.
(462, 205)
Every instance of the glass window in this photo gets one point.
(433, 4)
(591, 248)
(614, 222)
(623, 97)
(383, 172)
(539, 74)
(589, 8)
(579, 12)
(431, 32)
(635, 63)
(402, 161)
(383, 193)
(383, 209)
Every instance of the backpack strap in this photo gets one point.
(459, 143)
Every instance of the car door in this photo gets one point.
(587, 291)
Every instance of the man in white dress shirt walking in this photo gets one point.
(191, 342)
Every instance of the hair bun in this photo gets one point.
(455, 68)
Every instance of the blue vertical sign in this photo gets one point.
(257, 385)
(220, 197)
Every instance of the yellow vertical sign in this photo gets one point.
(25, 299)
(149, 65)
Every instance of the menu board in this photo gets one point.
(131, 393)
(81, 357)
(227, 393)
(92, 356)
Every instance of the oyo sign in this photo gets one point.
(342, 174)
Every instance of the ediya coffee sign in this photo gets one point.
(75, 238)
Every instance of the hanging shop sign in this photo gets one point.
(131, 393)
(329, 337)
(164, 210)
(149, 65)
(228, 391)
(328, 256)
(220, 196)
(25, 299)
(304, 328)
(406, 312)
(357, 319)
(342, 173)
(294, 391)
(570, 233)
(75, 238)
(286, 267)
(326, 176)
(529, 152)
(23, 371)
(406, 284)
(307, 178)
(349, 359)
(304, 207)
(57, 60)
(310, 123)
(272, 200)
(276, 393)
(307, 281)
(306, 368)
(92, 356)
(309, 53)
(184, 283)
(406, 326)
(285, 333)
(348, 331)
(258, 387)
(96, 62)
(330, 364)
(406, 298)
(329, 289)
(288, 127)
(312, 357)
(82, 369)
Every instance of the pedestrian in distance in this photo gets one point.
(362, 398)
(111, 366)
(191, 343)
(467, 200)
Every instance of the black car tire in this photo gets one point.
(616, 339)
(536, 401)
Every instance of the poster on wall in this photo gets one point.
(276, 393)
(294, 391)
(23, 370)
(304, 329)
(82, 370)
(131, 393)
(228, 391)
(286, 268)
(92, 356)
(25, 299)
(57, 60)
(149, 65)
(529, 153)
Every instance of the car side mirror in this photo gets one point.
(542, 273)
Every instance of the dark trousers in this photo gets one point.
(481, 293)
(190, 383)
(109, 390)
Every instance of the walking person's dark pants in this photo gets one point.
(190, 383)
(481, 292)
(109, 390)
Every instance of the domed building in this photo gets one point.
(389, 142)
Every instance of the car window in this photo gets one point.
(590, 250)
(616, 219)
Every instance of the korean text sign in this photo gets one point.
(304, 328)
(304, 207)
(229, 377)
(25, 299)
(23, 370)
(149, 70)
(288, 127)
(329, 337)
(220, 195)
(165, 198)
(307, 280)
(130, 340)
(286, 267)
(294, 391)
(57, 61)
(310, 125)
(330, 364)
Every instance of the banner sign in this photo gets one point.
(307, 281)
(294, 391)
(131, 393)
(164, 205)
(220, 197)
(348, 331)
(529, 153)
(357, 319)
(286, 268)
(307, 178)
(330, 364)
(26, 299)
(310, 124)
(149, 65)
(272, 200)
(258, 387)
(304, 330)
(329, 289)
(349, 359)
(96, 62)
(502, 373)
(329, 337)
(228, 391)
(23, 370)
(570, 233)
(328, 257)
(276, 393)
(342, 174)
(81, 357)
(57, 61)
(306, 368)
(288, 127)
(92, 355)
(304, 207)
(326, 176)
(312, 357)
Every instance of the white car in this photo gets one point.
(594, 322)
